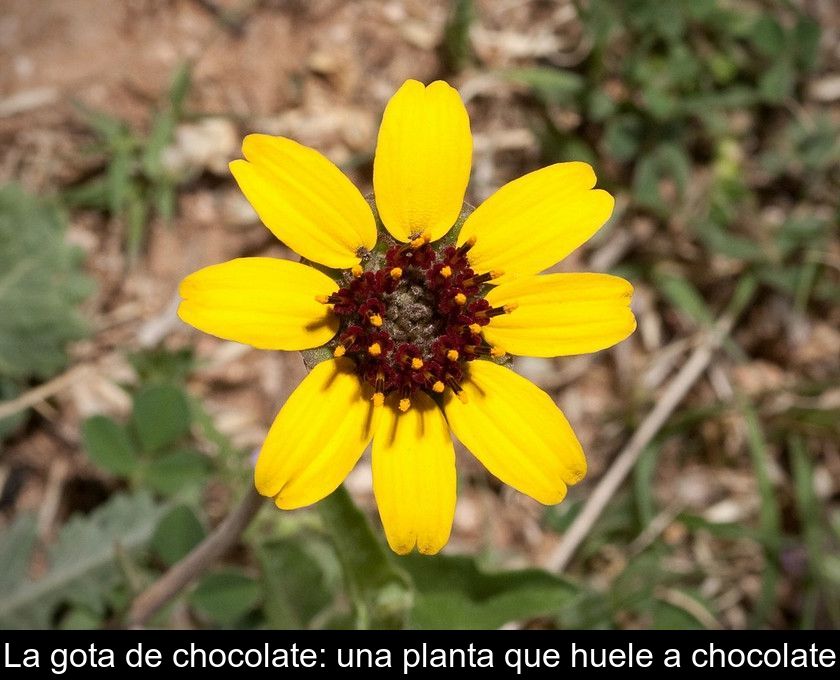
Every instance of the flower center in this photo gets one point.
(411, 319)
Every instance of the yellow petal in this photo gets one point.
(260, 301)
(535, 221)
(317, 438)
(305, 200)
(561, 314)
(516, 431)
(423, 158)
(414, 476)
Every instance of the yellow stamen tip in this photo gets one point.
(460, 299)
(438, 387)
(475, 328)
(510, 307)
(405, 404)
(396, 272)
(497, 273)
(356, 270)
(497, 352)
(470, 241)
(452, 355)
(417, 363)
(339, 351)
(375, 320)
(446, 271)
(323, 299)
(378, 398)
(375, 349)
(463, 397)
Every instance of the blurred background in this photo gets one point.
(125, 436)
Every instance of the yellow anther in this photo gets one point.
(323, 299)
(460, 299)
(496, 273)
(438, 387)
(356, 270)
(405, 404)
(396, 272)
(417, 363)
(462, 396)
(339, 351)
(475, 328)
(375, 349)
(378, 399)
(452, 355)
(497, 352)
(375, 320)
(421, 240)
(510, 307)
(446, 271)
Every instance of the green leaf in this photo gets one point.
(9, 389)
(109, 446)
(293, 584)
(159, 138)
(41, 286)
(164, 123)
(178, 532)
(173, 472)
(179, 88)
(453, 593)
(379, 591)
(118, 178)
(456, 35)
(82, 564)
(80, 618)
(666, 162)
(768, 36)
(225, 596)
(109, 128)
(667, 616)
(161, 416)
(16, 544)
(160, 365)
(806, 38)
(770, 518)
(550, 85)
(682, 294)
(622, 136)
(776, 83)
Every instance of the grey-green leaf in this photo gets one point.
(293, 583)
(108, 445)
(172, 472)
(225, 596)
(177, 533)
(82, 563)
(452, 592)
(41, 286)
(161, 416)
(379, 591)
(16, 544)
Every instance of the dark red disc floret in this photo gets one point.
(412, 324)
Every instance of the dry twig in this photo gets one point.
(157, 595)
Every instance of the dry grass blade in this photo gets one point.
(676, 391)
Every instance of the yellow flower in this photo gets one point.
(418, 321)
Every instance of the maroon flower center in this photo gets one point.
(410, 320)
